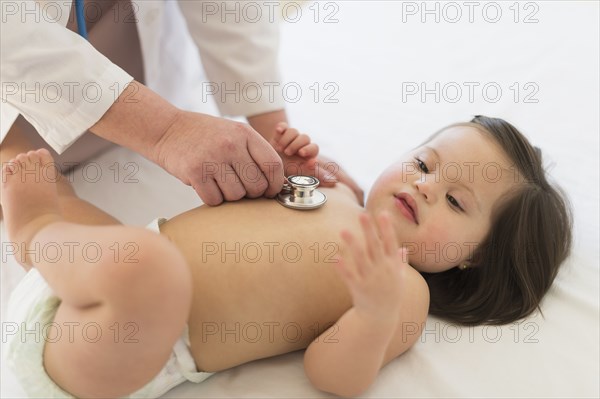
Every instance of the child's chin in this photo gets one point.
(431, 268)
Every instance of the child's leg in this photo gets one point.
(72, 208)
(125, 291)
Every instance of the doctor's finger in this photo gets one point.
(251, 177)
(208, 191)
(267, 160)
(230, 184)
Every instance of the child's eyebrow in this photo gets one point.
(463, 185)
(437, 154)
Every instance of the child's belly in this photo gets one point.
(263, 278)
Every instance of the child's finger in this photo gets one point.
(388, 234)
(341, 267)
(373, 245)
(355, 259)
(281, 127)
(286, 138)
(309, 151)
(299, 142)
(403, 255)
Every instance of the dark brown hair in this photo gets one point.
(515, 265)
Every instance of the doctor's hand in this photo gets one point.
(221, 159)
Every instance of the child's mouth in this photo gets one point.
(407, 206)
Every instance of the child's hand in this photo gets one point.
(290, 142)
(373, 269)
(299, 154)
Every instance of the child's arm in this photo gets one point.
(390, 305)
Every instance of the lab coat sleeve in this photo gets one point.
(55, 79)
(239, 57)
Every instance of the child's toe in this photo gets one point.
(33, 157)
(8, 169)
(45, 156)
(22, 159)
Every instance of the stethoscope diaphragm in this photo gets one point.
(300, 192)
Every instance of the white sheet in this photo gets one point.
(368, 54)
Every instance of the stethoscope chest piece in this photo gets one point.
(300, 192)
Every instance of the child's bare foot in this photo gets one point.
(29, 197)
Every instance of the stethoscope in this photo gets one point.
(81, 28)
(300, 192)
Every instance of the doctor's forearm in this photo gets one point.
(137, 120)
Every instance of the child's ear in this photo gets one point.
(476, 257)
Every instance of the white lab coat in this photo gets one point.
(62, 85)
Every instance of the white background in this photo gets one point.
(369, 54)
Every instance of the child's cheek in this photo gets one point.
(441, 237)
(455, 245)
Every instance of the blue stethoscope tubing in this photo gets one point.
(81, 28)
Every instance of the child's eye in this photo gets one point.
(422, 165)
(454, 202)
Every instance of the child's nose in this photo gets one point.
(425, 186)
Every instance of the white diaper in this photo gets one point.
(32, 306)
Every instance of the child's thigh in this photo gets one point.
(104, 351)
